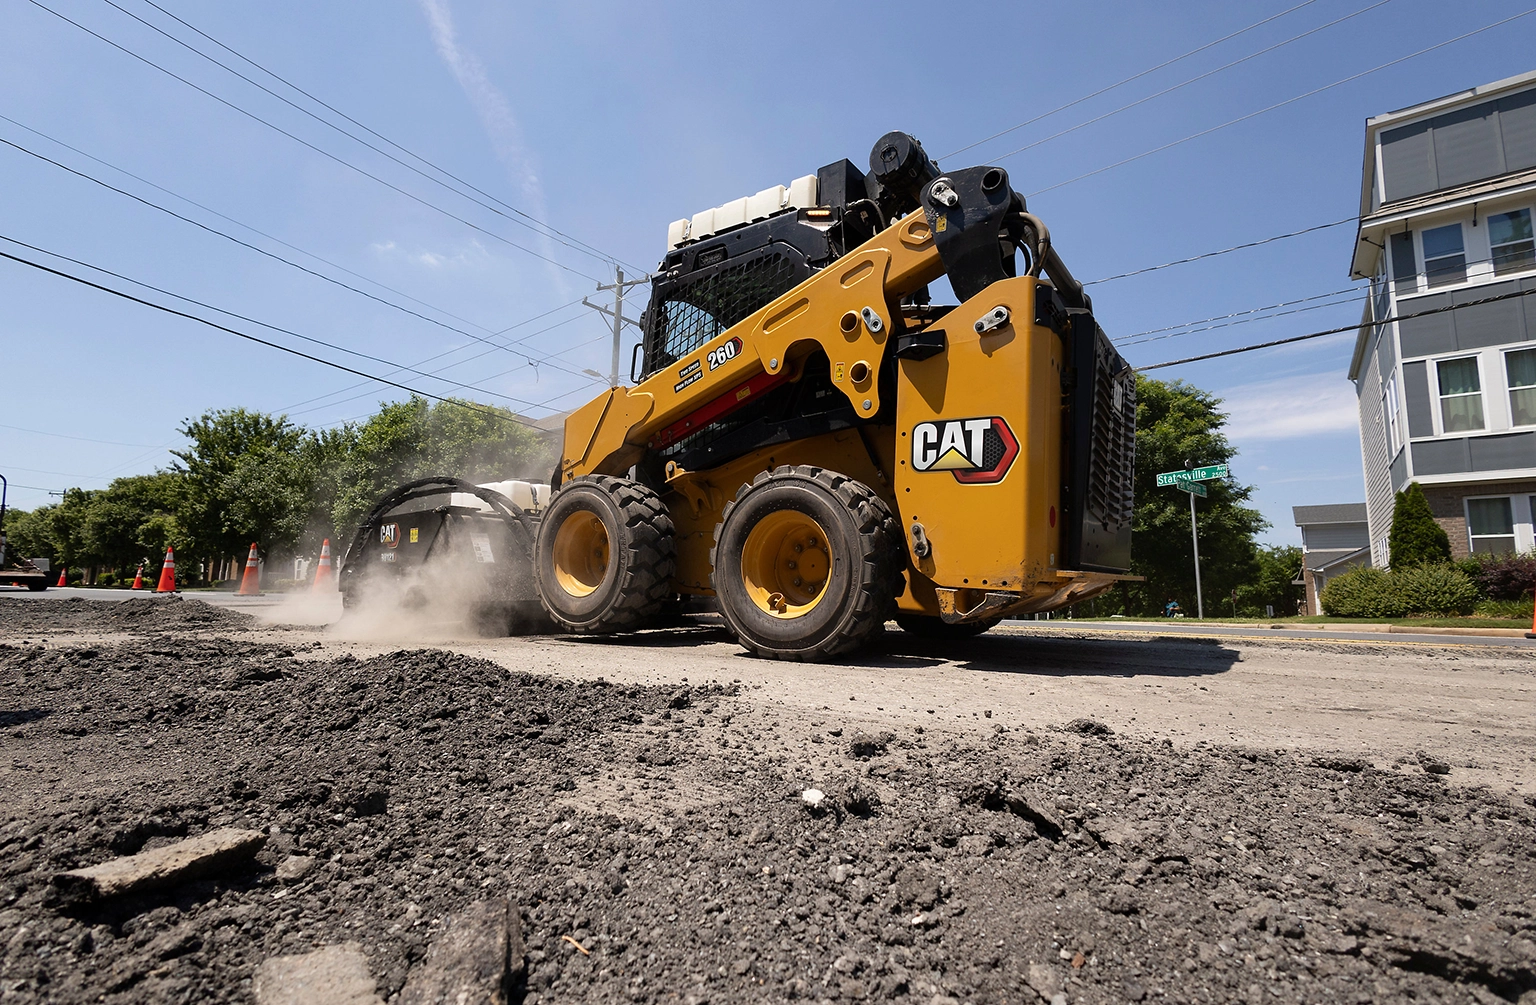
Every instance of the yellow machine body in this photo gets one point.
(983, 543)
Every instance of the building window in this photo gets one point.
(1520, 367)
(1389, 408)
(1491, 525)
(1445, 259)
(1509, 238)
(1381, 300)
(1461, 395)
(1405, 268)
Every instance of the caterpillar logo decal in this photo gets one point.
(389, 535)
(978, 451)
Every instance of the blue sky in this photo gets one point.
(607, 121)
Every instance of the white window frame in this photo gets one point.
(1519, 516)
(1466, 263)
(1531, 211)
(1482, 392)
(1392, 416)
(1509, 401)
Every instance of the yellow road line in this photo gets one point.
(1387, 641)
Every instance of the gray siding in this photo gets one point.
(1349, 536)
(1373, 455)
(1441, 457)
(1461, 146)
(1517, 123)
(1399, 472)
(1475, 454)
(1421, 420)
(1497, 453)
(1499, 323)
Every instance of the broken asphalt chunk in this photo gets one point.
(177, 863)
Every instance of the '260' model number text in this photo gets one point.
(723, 355)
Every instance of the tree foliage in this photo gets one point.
(1416, 539)
(246, 477)
(1177, 422)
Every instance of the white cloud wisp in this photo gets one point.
(1290, 408)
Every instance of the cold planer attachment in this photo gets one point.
(441, 543)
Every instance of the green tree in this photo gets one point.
(246, 473)
(133, 520)
(1416, 539)
(28, 534)
(1273, 583)
(416, 439)
(1176, 422)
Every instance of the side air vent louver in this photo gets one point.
(1101, 452)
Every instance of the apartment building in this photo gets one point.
(1448, 399)
(1334, 540)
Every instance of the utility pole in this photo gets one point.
(616, 314)
(1194, 537)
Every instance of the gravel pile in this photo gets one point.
(20, 618)
(670, 834)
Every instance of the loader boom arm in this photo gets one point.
(846, 310)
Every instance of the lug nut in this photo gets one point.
(798, 581)
(792, 564)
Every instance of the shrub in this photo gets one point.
(1415, 538)
(1356, 594)
(106, 579)
(1433, 589)
(1503, 577)
(1517, 610)
(1372, 593)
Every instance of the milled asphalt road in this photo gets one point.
(326, 609)
(1466, 700)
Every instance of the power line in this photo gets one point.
(437, 356)
(324, 153)
(244, 226)
(1278, 104)
(254, 321)
(1250, 310)
(255, 338)
(1127, 80)
(1185, 83)
(1224, 251)
(81, 439)
(1129, 341)
(259, 250)
(565, 239)
(1336, 331)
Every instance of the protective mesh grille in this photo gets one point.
(1113, 461)
(713, 300)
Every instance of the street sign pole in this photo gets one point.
(1194, 536)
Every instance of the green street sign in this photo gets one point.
(1193, 488)
(1210, 472)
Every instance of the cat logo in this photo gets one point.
(389, 535)
(978, 451)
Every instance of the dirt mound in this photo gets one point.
(19, 617)
(666, 832)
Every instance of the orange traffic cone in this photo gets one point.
(138, 577)
(63, 572)
(250, 583)
(323, 579)
(167, 573)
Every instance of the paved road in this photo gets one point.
(1184, 627)
(1471, 701)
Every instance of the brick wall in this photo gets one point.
(1445, 503)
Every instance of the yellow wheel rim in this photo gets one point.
(581, 553)
(785, 564)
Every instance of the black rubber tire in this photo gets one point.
(641, 555)
(927, 627)
(38, 587)
(865, 577)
